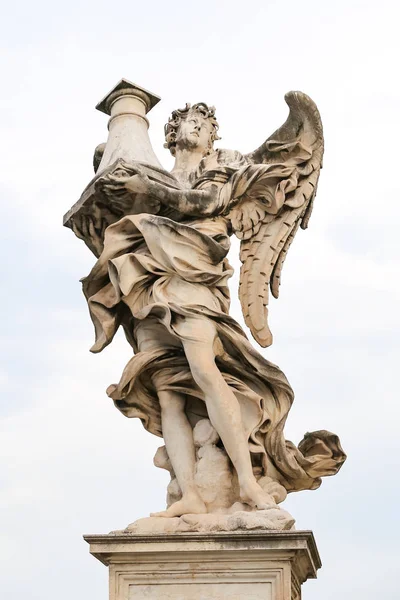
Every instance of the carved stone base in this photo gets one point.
(235, 566)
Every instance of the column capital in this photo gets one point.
(126, 88)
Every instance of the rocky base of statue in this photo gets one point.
(239, 520)
(252, 565)
(217, 484)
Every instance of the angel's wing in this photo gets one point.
(98, 155)
(294, 153)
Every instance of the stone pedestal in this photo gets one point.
(252, 565)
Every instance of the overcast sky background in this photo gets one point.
(71, 463)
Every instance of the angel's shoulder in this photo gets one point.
(230, 158)
(224, 158)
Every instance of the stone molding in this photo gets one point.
(270, 565)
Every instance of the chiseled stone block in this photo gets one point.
(253, 565)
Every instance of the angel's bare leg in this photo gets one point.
(177, 432)
(224, 412)
(178, 437)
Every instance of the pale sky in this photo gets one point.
(71, 463)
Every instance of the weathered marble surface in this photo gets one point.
(245, 566)
(214, 475)
(162, 274)
(239, 518)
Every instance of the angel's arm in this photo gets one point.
(191, 202)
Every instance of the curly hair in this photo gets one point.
(181, 114)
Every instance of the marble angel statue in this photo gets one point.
(162, 274)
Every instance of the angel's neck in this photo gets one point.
(187, 160)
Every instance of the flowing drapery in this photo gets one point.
(156, 275)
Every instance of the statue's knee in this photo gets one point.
(206, 374)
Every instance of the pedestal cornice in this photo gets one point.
(287, 556)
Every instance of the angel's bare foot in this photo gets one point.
(253, 494)
(190, 504)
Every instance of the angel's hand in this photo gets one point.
(87, 232)
(138, 184)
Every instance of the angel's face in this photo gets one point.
(194, 132)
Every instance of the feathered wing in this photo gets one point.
(277, 202)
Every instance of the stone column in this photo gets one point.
(128, 138)
(128, 145)
(251, 565)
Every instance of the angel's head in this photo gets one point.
(192, 127)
